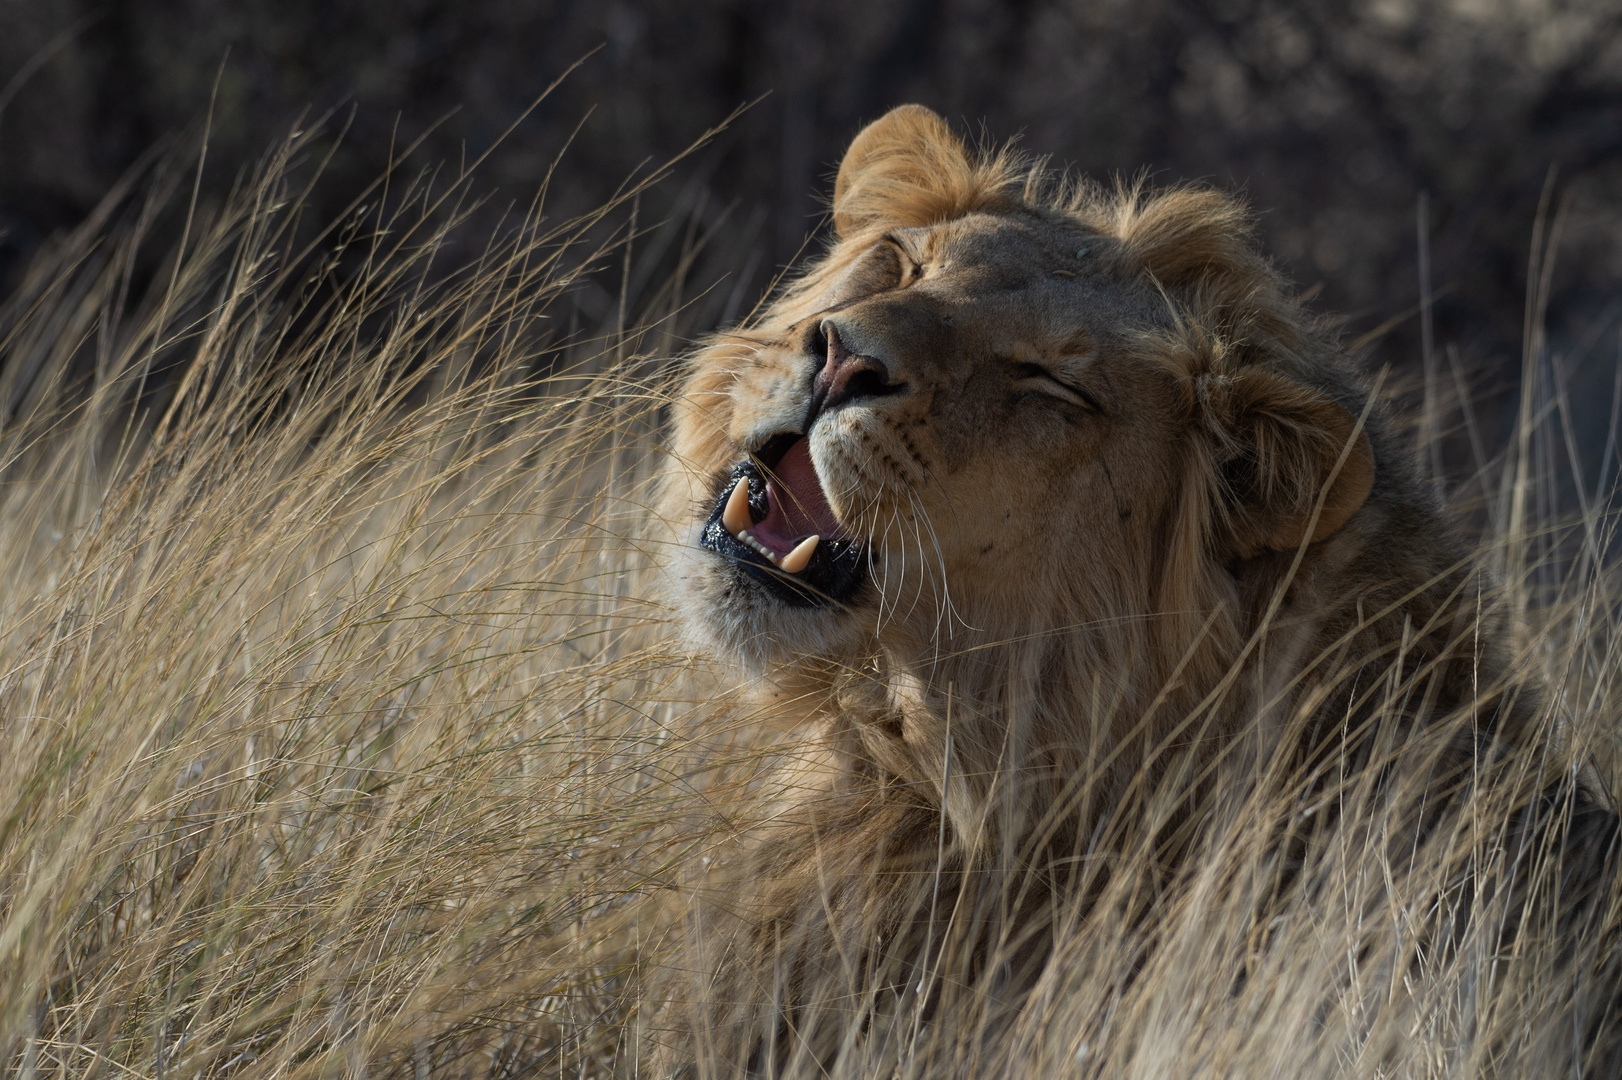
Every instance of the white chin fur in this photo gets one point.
(728, 614)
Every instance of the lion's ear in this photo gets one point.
(1294, 465)
(906, 168)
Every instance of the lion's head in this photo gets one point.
(991, 413)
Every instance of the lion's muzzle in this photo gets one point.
(775, 525)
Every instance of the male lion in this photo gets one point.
(1066, 539)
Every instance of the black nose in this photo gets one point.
(846, 375)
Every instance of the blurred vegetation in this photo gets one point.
(1336, 117)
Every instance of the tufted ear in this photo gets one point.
(1291, 465)
(907, 168)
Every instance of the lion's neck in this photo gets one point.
(991, 730)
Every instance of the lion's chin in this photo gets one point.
(731, 614)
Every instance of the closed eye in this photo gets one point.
(910, 271)
(1036, 377)
(881, 269)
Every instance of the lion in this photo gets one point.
(1044, 516)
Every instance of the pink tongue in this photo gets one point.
(796, 505)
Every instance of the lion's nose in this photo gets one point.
(846, 375)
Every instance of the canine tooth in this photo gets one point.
(796, 560)
(736, 515)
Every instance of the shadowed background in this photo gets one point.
(1345, 123)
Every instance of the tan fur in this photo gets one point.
(1063, 601)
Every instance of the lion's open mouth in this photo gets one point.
(779, 528)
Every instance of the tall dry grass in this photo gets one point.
(343, 731)
(347, 733)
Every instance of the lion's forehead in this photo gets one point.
(1000, 276)
(1001, 252)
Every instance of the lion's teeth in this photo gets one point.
(736, 515)
(796, 560)
(744, 536)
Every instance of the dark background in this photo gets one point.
(1333, 117)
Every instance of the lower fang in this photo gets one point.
(796, 560)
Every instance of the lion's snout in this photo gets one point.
(846, 375)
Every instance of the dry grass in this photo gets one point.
(340, 725)
(346, 733)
